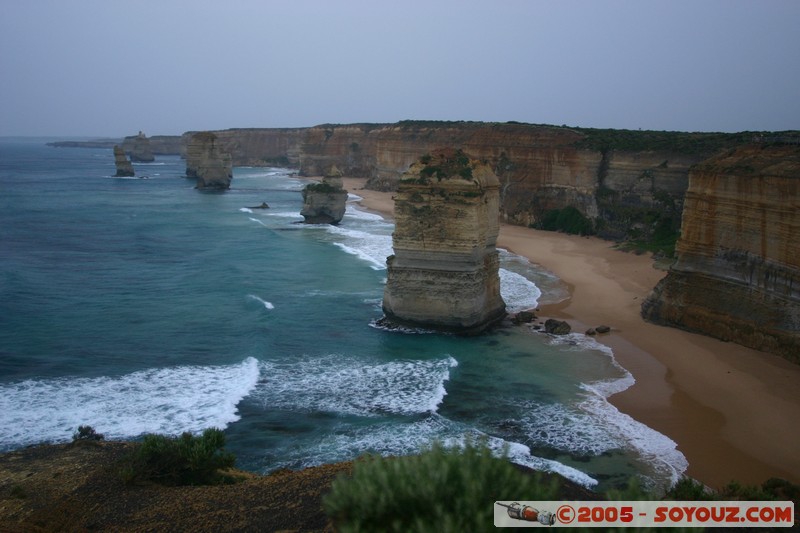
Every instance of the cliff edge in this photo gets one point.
(737, 276)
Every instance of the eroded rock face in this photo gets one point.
(324, 202)
(444, 271)
(737, 276)
(206, 161)
(141, 151)
(124, 167)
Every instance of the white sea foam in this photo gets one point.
(342, 385)
(357, 213)
(521, 454)
(597, 417)
(166, 400)
(266, 304)
(245, 210)
(371, 247)
(518, 292)
(391, 439)
(258, 221)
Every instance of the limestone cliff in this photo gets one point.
(206, 161)
(155, 145)
(628, 184)
(260, 146)
(444, 271)
(325, 202)
(140, 150)
(124, 167)
(737, 276)
(351, 148)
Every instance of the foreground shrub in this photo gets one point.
(439, 490)
(184, 460)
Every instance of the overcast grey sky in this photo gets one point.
(112, 68)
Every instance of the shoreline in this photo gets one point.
(732, 410)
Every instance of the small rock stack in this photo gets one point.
(124, 166)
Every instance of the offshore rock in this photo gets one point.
(324, 202)
(444, 271)
(557, 327)
(141, 151)
(124, 167)
(737, 276)
(206, 161)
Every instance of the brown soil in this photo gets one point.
(75, 487)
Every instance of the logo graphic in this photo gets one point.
(529, 514)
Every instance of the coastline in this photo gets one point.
(732, 410)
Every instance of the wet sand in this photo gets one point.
(733, 411)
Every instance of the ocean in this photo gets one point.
(145, 306)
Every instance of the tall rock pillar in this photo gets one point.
(124, 167)
(444, 271)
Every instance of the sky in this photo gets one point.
(114, 67)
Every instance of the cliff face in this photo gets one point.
(124, 167)
(206, 161)
(444, 271)
(737, 276)
(259, 146)
(350, 148)
(140, 150)
(627, 190)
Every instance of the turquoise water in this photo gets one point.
(143, 305)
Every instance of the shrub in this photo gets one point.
(568, 220)
(86, 433)
(439, 490)
(184, 460)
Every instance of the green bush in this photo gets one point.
(439, 490)
(569, 220)
(184, 460)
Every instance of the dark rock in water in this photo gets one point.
(524, 317)
(124, 167)
(557, 327)
(324, 202)
(262, 206)
(591, 332)
(602, 329)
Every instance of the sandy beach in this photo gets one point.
(733, 411)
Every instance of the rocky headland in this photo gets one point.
(737, 276)
(121, 162)
(140, 150)
(208, 162)
(444, 271)
(325, 202)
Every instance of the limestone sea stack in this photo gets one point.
(325, 202)
(206, 161)
(444, 271)
(737, 276)
(141, 151)
(124, 167)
